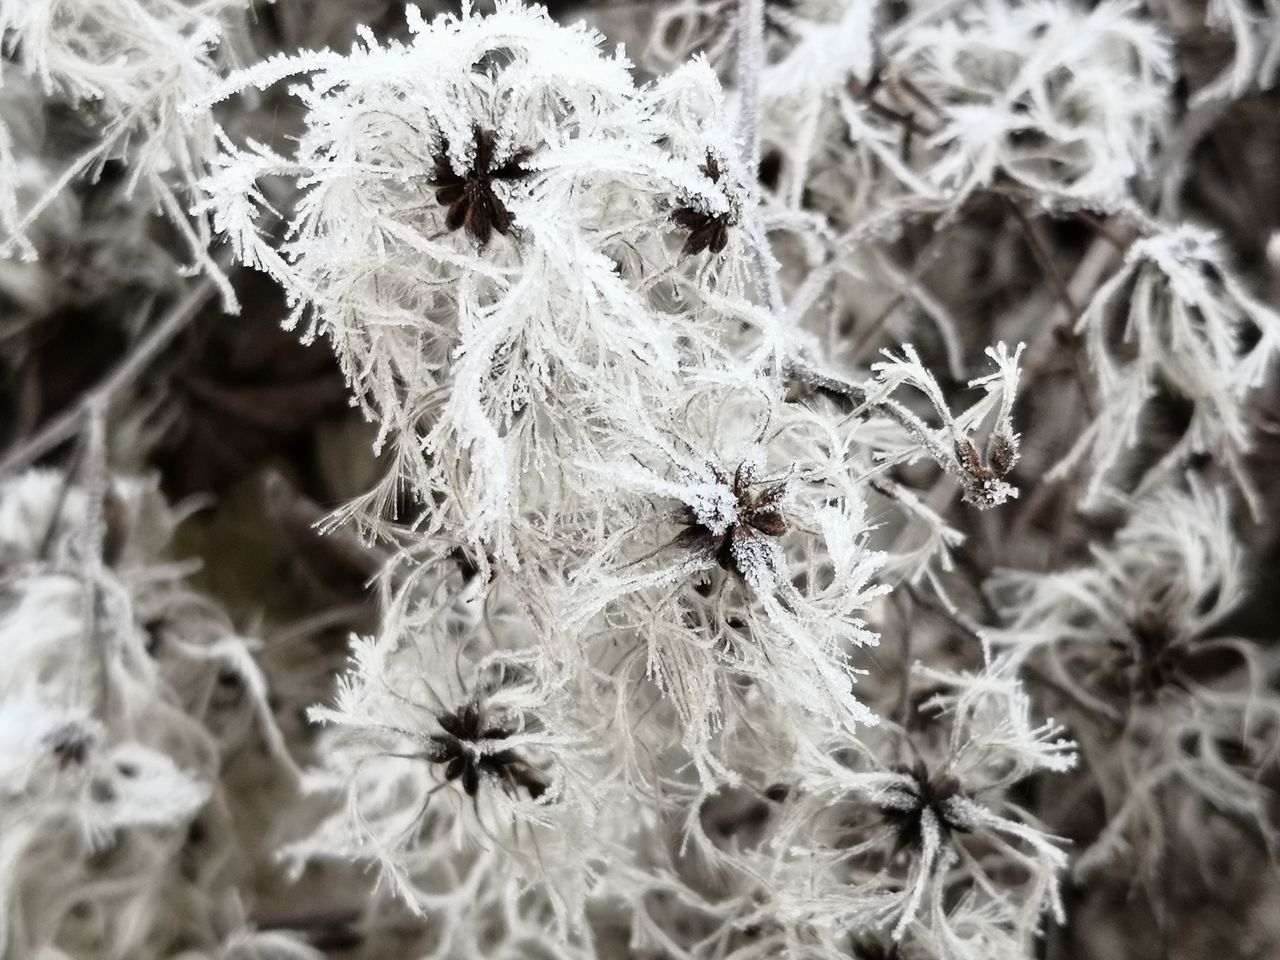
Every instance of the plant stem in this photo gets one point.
(65, 425)
(94, 536)
(750, 61)
(746, 77)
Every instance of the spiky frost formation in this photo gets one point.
(446, 740)
(690, 641)
(1189, 331)
(1063, 101)
(741, 556)
(476, 204)
(906, 837)
(867, 842)
(981, 467)
(1046, 110)
(1066, 102)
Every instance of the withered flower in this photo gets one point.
(462, 749)
(707, 231)
(756, 516)
(70, 744)
(983, 477)
(470, 195)
(1151, 658)
(905, 807)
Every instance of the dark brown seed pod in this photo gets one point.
(925, 792)
(707, 231)
(758, 515)
(460, 749)
(472, 203)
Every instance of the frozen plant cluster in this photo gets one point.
(130, 707)
(812, 491)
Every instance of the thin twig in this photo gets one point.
(863, 402)
(64, 426)
(1091, 271)
(1106, 715)
(1102, 229)
(926, 259)
(746, 77)
(902, 710)
(1040, 249)
(89, 419)
(94, 536)
(764, 267)
(64, 490)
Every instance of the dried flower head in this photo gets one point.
(471, 750)
(737, 538)
(708, 229)
(470, 195)
(923, 805)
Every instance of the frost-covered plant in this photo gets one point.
(475, 202)
(930, 847)
(1173, 708)
(738, 555)
(127, 65)
(1255, 57)
(637, 534)
(445, 736)
(723, 574)
(1065, 102)
(1174, 321)
(115, 727)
